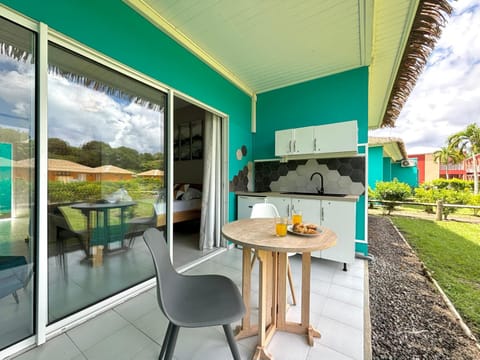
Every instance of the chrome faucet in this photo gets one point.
(321, 191)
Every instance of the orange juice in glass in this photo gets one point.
(296, 217)
(281, 226)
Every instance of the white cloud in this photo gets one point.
(92, 115)
(447, 95)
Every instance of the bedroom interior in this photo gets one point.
(188, 175)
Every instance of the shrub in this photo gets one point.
(392, 191)
(454, 184)
(474, 200)
(431, 194)
(59, 192)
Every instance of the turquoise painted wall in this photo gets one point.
(335, 98)
(375, 165)
(114, 29)
(407, 175)
(387, 169)
(5, 180)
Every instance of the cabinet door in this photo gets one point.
(310, 208)
(282, 204)
(283, 142)
(245, 205)
(338, 137)
(339, 216)
(303, 140)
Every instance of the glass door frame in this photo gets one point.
(43, 331)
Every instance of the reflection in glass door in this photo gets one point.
(105, 180)
(17, 182)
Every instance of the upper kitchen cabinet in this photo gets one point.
(334, 138)
(294, 141)
(317, 141)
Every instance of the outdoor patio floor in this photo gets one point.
(135, 329)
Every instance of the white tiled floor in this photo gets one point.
(135, 329)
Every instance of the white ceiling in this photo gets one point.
(262, 45)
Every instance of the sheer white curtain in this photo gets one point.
(210, 220)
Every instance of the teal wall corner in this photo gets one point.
(360, 218)
(375, 165)
(387, 169)
(336, 98)
(361, 247)
(408, 175)
(5, 180)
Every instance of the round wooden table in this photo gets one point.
(271, 251)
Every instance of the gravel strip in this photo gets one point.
(409, 318)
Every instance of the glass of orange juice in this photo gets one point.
(296, 217)
(281, 226)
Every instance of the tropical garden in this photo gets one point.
(449, 250)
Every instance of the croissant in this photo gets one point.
(305, 228)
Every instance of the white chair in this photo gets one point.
(267, 210)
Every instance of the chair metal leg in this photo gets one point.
(15, 296)
(231, 341)
(172, 341)
(166, 340)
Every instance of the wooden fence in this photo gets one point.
(439, 205)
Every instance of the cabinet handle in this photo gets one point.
(294, 145)
(322, 211)
(288, 210)
(290, 146)
(315, 144)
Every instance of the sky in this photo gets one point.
(446, 97)
(77, 114)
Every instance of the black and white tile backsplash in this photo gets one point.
(341, 175)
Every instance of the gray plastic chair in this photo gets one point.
(192, 301)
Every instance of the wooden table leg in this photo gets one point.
(246, 330)
(264, 259)
(282, 290)
(306, 272)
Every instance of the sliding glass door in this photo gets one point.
(105, 180)
(17, 182)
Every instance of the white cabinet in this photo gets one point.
(284, 142)
(294, 141)
(245, 205)
(339, 216)
(316, 140)
(333, 138)
(310, 208)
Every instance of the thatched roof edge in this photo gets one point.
(427, 26)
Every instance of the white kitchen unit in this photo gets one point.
(340, 217)
(334, 138)
(294, 141)
(310, 208)
(315, 140)
(245, 205)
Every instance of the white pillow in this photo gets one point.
(192, 193)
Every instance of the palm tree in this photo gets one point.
(468, 141)
(447, 155)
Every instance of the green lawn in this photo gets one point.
(451, 252)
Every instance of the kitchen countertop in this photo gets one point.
(351, 198)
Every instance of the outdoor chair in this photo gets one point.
(267, 210)
(137, 225)
(192, 301)
(14, 275)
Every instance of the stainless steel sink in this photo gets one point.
(310, 193)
